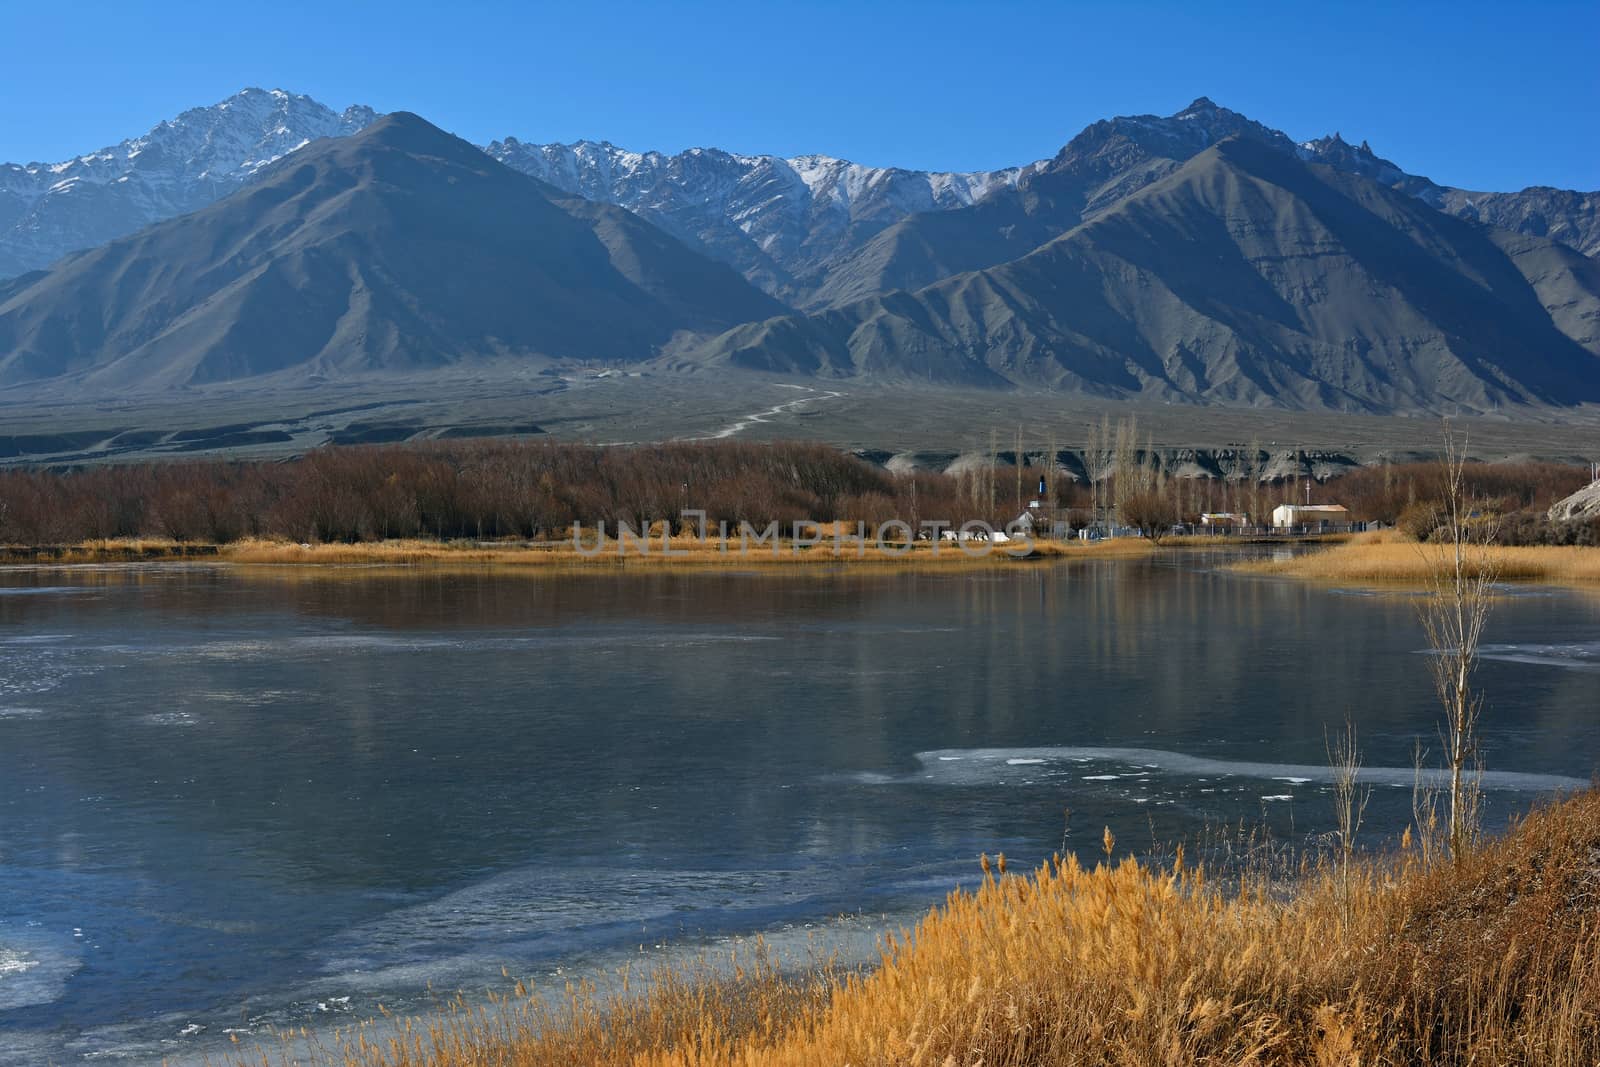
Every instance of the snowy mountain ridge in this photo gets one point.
(184, 163)
(784, 222)
(780, 221)
(597, 169)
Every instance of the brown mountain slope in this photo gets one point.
(396, 249)
(1244, 277)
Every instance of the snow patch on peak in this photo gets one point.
(178, 165)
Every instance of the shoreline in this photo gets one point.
(1121, 952)
(1388, 559)
(685, 554)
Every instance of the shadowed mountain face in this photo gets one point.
(1245, 276)
(812, 230)
(1106, 163)
(1113, 159)
(398, 248)
(1201, 258)
(183, 164)
(780, 222)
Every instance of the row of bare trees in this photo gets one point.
(498, 489)
(1390, 492)
(477, 490)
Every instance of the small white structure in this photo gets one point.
(1287, 515)
(1107, 531)
(1224, 518)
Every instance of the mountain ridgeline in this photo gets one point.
(1248, 277)
(1201, 258)
(399, 248)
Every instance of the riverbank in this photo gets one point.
(1391, 558)
(679, 553)
(653, 554)
(1394, 960)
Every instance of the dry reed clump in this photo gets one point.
(1492, 959)
(1388, 557)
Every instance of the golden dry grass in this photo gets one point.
(1390, 558)
(121, 550)
(1493, 961)
(687, 553)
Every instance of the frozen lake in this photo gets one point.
(234, 801)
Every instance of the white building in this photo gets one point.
(1285, 515)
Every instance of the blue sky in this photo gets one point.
(1475, 95)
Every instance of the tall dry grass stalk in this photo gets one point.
(1350, 800)
(1491, 960)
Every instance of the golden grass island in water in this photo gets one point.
(1391, 558)
(682, 552)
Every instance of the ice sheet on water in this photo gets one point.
(31, 669)
(320, 645)
(987, 766)
(45, 590)
(170, 718)
(34, 968)
(446, 938)
(20, 713)
(1580, 656)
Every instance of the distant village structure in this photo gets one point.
(1043, 517)
(1224, 519)
(1289, 516)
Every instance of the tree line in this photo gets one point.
(527, 490)
(479, 490)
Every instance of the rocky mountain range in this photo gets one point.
(397, 249)
(782, 222)
(1245, 276)
(813, 231)
(1200, 257)
(1114, 159)
(183, 164)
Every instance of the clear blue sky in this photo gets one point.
(1487, 96)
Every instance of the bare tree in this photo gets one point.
(1097, 464)
(1152, 511)
(1453, 616)
(994, 461)
(1051, 470)
(1018, 455)
(1125, 462)
(1253, 470)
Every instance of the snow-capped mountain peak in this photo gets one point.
(775, 218)
(784, 222)
(180, 164)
